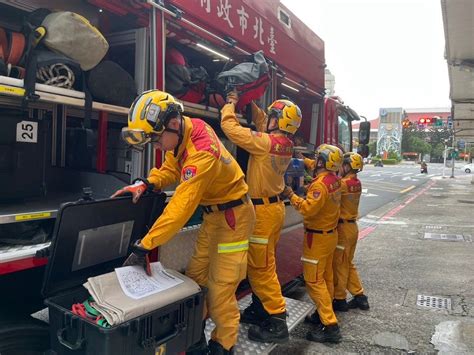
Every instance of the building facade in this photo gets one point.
(389, 137)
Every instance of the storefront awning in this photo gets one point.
(458, 19)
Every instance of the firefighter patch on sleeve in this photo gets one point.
(316, 194)
(256, 134)
(189, 172)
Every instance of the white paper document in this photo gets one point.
(137, 284)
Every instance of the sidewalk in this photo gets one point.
(398, 263)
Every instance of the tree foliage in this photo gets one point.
(373, 148)
(425, 140)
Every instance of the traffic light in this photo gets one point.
(427, 120)
(406, 123)
(439, 122)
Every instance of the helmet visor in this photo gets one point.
(135, 136)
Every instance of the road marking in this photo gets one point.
(407, 189)
(408, 178)
(386, 189)
(366, 231)
(381, 184)
(366, 193)
(392, 222)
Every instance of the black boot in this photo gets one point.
(271, 330)
(359, 301)
(325, 334)
(340, 305)
(217, 349)
(255, 313)
(200, 348)
(313, 319)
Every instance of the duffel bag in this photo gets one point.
(108, 82)
(73, 35)
(249, 78)
(183, 81)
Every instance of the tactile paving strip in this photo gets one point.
(297, 310)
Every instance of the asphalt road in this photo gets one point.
(381, 185)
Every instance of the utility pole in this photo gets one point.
(452, 155)
(444, 157)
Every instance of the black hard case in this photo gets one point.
(177, 325)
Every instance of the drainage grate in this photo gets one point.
(433, 227)
(433, 302)
(445, 237)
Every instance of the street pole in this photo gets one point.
(444, 158)
(452, 155)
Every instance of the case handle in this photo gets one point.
(77, 345)
(155, 343)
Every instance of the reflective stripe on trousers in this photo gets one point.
(232, 247)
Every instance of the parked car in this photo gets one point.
(468, 168)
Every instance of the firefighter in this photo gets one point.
(320, 210)
(345, 272)
(210, 176)
(270, 153)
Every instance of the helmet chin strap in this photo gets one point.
(268, 125)
(179, 133)
(345, 172)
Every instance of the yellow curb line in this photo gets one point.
(408, 189)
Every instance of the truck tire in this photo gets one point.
(23, 337)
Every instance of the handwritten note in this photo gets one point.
(137, 284)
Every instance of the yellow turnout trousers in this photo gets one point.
(318, 251)
(261, 269)
(345, 272)
(220, 263)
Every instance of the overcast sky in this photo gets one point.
(383, 53)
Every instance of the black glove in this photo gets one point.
(232, 97)
(139, 256)
(286, 193)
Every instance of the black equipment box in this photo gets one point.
(22, 155)
(92, 238)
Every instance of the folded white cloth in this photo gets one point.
(117, 307)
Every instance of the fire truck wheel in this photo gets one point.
(25, 337)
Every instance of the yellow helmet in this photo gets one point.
(329, 157)
(354, 160)
(288, 114)
(149, 115)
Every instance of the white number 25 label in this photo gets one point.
(27, 131)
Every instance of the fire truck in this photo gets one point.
(59, 162)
